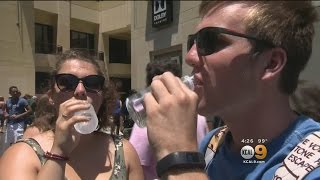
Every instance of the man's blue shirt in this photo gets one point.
(16, 106)
(228, 164)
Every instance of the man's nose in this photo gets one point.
(192, 58)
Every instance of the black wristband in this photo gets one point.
(180, 160)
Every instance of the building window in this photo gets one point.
(82, 41)
(119, 51)
(42, 82)
(44, 39)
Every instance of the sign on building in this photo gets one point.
(161, 12)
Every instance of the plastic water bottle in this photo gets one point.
(88, 126)
(135, 104)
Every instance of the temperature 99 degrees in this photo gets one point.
(262, 141)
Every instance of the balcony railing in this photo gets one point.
(47, 48)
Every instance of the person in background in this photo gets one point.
(35, 99)
(306, 99)
(246, 58)
(61, 152)
(34, 105)
(117, 116)
(127, 120)
(214, 122)
(139, 137)
(45, 116)
(2, 114)
(18, 110)
(31, 103)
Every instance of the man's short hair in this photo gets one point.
(158, 67)
(12, 87)
(286, 24)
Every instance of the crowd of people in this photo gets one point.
(246, 58)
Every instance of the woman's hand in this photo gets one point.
(66, 138)
(171, 116)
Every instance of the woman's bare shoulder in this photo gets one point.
(45, 139)
(132, 161)
(129, 151)
(19, 156)
(31, 131)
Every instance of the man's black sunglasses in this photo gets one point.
(207, 39)
(69, 82)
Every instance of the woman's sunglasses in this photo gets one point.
(69, 82)
(207, 39)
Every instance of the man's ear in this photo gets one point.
(274, 63)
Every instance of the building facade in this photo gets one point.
(123, 36)
(36, 31)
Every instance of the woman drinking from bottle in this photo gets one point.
(62, 152)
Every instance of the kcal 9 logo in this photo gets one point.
(260, 151)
